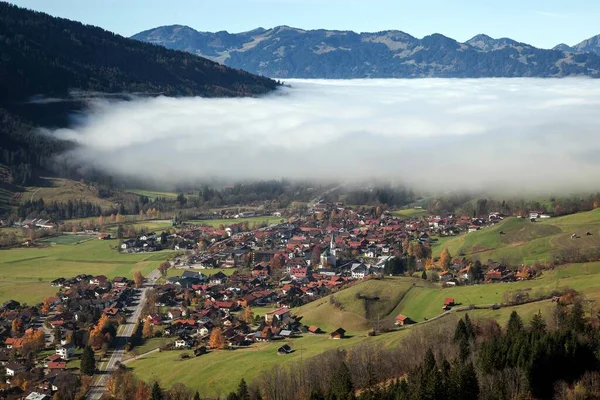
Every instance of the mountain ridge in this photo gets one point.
(289, 52)
(45, 57)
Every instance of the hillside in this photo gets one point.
(286, 52)
(519, 241)
(421, 300)
(361, 305)
(51, 67)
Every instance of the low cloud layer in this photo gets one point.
(519, 134)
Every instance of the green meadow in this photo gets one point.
(26, 273)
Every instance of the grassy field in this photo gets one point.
(524, 242)
(218, 372)
(63, 190)
(208, 271)
(269, 220)
(354, 315)
(153, 194)
(25, 273)
(410, 213)
(420, 300)
(152, 225)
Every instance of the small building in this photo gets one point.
(314, 329)
(401, 320)
(13, 369)
(285, 349)
(339, 333)
(66, 352)
(448, 303)
(277, 315)
(180, 344)
(37, 396)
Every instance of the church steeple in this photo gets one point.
(332, 248)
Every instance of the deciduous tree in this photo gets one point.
(248, 315)
(148, 330)
(138, 278)
(164, 267)
(445, 258)
(217, 340)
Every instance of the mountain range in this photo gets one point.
(286, 52)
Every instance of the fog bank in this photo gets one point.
(447, 134)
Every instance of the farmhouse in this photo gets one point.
(339, 333)
(401, 320)
(277, 315)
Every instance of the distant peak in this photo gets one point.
(480, 37)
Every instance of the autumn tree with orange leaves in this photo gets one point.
(148, 330)
(98, 335)
(445, 259)
(16, 327)
(33, 341)
(138, 279)
(217, 340)
(164, 267)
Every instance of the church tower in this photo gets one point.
(332, 248)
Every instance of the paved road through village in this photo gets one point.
(100, 379)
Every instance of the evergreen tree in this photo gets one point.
(468, 383)
(424, 275)
(460, 332)
(515, 325)
(341, 386)
(88, 361)
(577, 318)
(197, 396)
(469, 327)
(242, 392)
(538, 325)
(156, 392)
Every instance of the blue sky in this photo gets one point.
(543, 23)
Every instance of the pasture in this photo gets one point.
(520, 241)
(410, 213)
(267, 219)
(420, 300)
(217, 373)
(26, 273)
(63, 190)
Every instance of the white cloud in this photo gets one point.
(445, 133)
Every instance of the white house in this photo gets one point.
(180, 344)
(13, 369)
(359, 270)
(65, 352)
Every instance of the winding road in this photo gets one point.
(100, 379)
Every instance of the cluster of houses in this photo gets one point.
(65, 321)
(191, 327)
(190, 306)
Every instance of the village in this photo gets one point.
(230, 288)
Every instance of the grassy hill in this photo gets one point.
(520, 241)
(360, 305)
(421, 300)
(62, 190)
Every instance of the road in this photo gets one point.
(100, 379)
